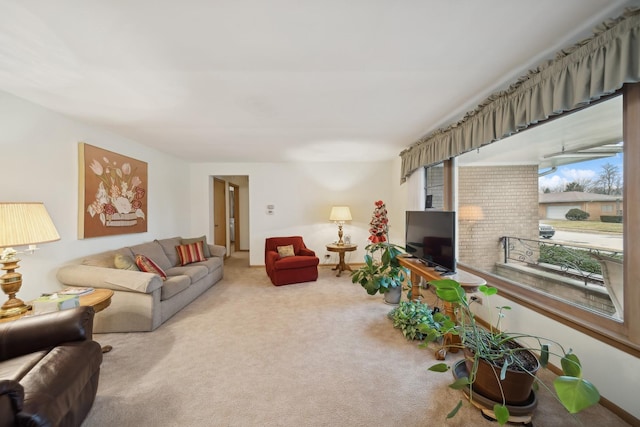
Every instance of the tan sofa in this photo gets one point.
(143, 301)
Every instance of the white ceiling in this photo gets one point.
(286, 80)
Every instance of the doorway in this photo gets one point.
(219, 212)
(234, 223)
(231, 212)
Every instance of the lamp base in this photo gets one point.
(11, 282)
(340, 241)
(12, 312)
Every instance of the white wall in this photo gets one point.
(303, 194)
(40, 163)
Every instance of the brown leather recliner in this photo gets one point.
(49, 369)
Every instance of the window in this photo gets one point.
(530, 184)
(434, 186)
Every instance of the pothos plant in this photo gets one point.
(409, 315)
(503, 350)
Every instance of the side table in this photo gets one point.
(99, 299)
(341, 250)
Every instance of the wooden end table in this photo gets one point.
(469, 282)
(341, 250)
(99, 299)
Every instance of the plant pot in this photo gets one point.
(393, 295)
(516, 386)
(525, 408)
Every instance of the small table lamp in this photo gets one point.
(340, 214)
(21, 224)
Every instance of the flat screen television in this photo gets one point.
(431, 237)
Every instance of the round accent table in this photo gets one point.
(99, 299)
(341, 250)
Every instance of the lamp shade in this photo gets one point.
(470, 213)
(340, 214)
(25, 224)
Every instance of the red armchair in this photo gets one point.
(301, 267)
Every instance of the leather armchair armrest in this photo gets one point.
(34, 333)
(11, 401)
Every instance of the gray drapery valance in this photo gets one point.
(585, 72)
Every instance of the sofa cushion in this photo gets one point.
(125, 262)
(205, 247)
(153, 250)
(193, 271)
(104, 259)
(174, 285)
(147, 265)
(169, 248)
(212, 263)
(190, 253)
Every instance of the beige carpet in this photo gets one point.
(247, 353)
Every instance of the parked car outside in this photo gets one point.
(546, 231)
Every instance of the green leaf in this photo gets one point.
(544, 355)
(502, 414)
(575, 394)
(571, 365)
(368, 259)
(487, 290)
(455, 410)
(439, 367)
(503, 371)
(449, 294)
(460, 383)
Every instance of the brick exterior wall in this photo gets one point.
(508, 199)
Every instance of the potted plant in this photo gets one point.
(408, 316)
(381, 271)
(499, 354)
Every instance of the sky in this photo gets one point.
(577, 171)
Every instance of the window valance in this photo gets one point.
(578, 75)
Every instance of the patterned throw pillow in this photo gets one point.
(193, 252)
(285, 251)
(145, 264)
(125, 262)
(205, 246)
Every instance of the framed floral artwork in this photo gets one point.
(112, 193)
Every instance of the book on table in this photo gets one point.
(76, 291)
(55, 302)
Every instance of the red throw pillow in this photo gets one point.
(193, 252)
(145, 264)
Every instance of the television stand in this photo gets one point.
(446, 273)
(469, 282)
